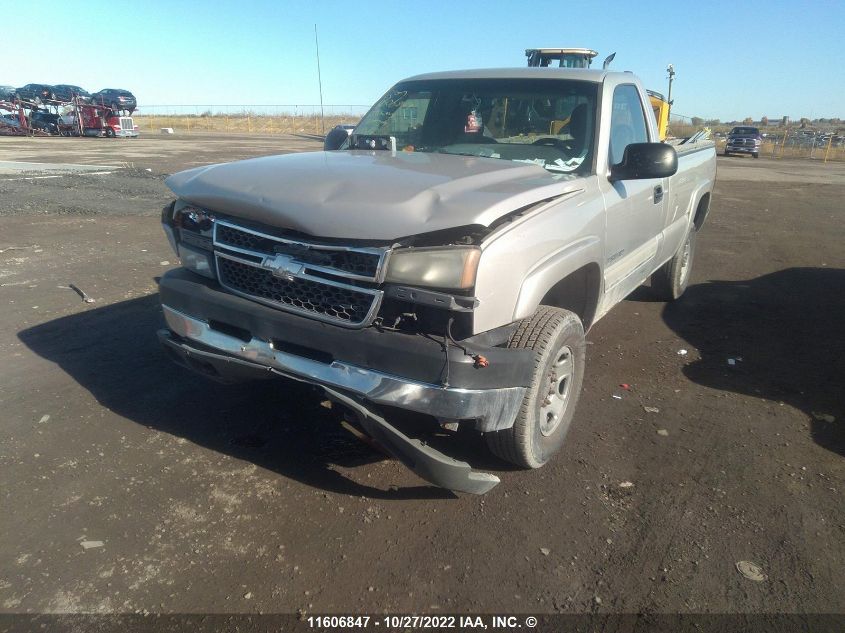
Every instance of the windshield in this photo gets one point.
(546, 122)
(747, 131)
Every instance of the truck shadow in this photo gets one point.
(114, 353)
(784, 331)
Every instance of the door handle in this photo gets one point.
(658, 194)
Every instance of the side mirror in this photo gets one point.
(335, 138)
(646, 160)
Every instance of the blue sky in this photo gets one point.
(733, 59)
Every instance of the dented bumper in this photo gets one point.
(231, 338)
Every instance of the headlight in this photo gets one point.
(189, 229)
(449, 267)
(197, 260)
(191, 218)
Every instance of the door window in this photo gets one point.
(627, 123)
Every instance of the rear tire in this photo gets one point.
(727, 153)
(557, 338)
(109, 132)
(755, 155)
(671, 280)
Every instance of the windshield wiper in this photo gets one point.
(445, 151)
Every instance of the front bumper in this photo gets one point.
(225, 336)
(742, 149)
(492, 408)
(427, 462)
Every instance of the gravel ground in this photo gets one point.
(131, 486)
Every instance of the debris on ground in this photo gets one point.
(248, 595)
(625, 386)
(91, 544)
(626, 484)
(545, 551)
(651, 409)
(682, 352)
(617, 396)
(750, 570)
(18, 248)
(44, 418)
(663, 432)
(81, 293)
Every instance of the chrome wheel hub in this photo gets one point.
(557, 384)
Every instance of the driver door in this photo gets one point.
(634, 207)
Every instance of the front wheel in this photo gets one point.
(671, 280)
(109, 132)
(755, 155)
(726, 153)
(557, 338)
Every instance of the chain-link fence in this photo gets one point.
(247, 119)
(681, 126)
(796, 144)
(827, 144)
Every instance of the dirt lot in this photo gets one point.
(211, 499)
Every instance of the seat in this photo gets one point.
(578, 121)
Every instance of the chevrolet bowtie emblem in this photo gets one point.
(282, 266)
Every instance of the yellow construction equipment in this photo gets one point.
(660, 105)
(583, 58)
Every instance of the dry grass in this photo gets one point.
(245, 123)
(248, 123)
(775, 150)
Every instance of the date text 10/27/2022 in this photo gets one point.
(387, 622)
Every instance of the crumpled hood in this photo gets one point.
(369, 195)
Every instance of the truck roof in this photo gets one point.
(581, 74)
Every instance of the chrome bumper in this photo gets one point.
(493, 409)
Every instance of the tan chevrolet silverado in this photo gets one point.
(446, 258)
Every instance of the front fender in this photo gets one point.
(552, 269)
(523, 260)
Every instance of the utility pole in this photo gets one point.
(671, 70)
(320, 81)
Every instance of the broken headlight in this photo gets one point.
(451, 267)
(189, 230)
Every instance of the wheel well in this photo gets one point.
(578, 292)
(701, 211)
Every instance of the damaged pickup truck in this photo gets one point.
(447, 258)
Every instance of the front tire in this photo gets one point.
(557, 338)
(755, 155)
(671, 280)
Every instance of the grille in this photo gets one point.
(126, 123)
(321, 299)
(360, 263)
